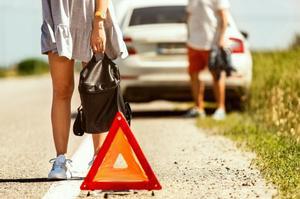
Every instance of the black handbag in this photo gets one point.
(101, 98)
(220, 60)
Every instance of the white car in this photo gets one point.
(155, 34)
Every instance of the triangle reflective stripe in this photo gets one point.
(105, 175)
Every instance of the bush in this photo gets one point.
(32, 66)
(275, 92)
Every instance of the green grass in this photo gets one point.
(275, 92)
(278, 157)
(271, 124)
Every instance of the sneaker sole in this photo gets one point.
(57, 176)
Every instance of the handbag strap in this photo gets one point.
(118, 98)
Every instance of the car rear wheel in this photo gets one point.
(238, 103)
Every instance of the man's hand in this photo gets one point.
(222, 43)
(98, 37)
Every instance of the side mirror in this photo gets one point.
(245, 34)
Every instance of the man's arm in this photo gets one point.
(223, 14)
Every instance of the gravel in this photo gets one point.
(26, 138)
(189, 162)
(192, 164)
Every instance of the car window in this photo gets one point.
(157, 15)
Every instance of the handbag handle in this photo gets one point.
(99, 56)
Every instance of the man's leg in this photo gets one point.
(196, 65)
(197, 87)
(219, 90)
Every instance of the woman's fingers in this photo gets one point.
(98, 40)
(103, 46)
(99, 47)
(94, 47)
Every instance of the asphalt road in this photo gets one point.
(189, 162)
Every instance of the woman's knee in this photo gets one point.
(63, 92)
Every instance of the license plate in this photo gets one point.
(171, 48)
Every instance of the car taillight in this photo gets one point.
(131, 50)
(236, 45)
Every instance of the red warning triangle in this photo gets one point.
(106, 172)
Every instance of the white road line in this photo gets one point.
(71, 188)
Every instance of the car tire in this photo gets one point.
(238, 103)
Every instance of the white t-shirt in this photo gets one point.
(203, 22)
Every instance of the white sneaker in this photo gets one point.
(59, 168)
(219, 114)
(91, 163)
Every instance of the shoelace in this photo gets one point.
(68, 162)
(67, 165)
(53, 160)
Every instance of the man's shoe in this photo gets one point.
(59, 168)
(219, 114)
(195, 112)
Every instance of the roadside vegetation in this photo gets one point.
(31, 66)
(270, 126)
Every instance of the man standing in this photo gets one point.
(207, 24)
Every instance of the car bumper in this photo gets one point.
(177, 88)
(147, 78)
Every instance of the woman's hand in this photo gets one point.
(98, 37)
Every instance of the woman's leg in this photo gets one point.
(98, 138)
(62, 73)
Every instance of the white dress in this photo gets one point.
(67, 26)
